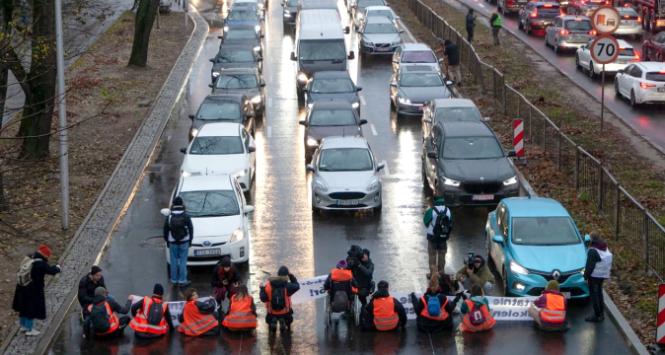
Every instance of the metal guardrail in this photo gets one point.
(642, 238)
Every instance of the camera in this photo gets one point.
(469, 259)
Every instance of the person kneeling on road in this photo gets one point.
(198, 318)
(475, 272)
(362, 268)
(477, 316)
(384, 312)
(434, 312)
(242, 311)
(151, 315)
(224, 280)
(276, 294)
(549, 310)
(340, 287)
(102, 320)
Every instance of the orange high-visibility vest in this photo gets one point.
(287, 307)
(114, 323)
(468, 326)
(240, 316)
(343, 275)
(194, 322)
(555, 309)
(140, 322)
(443, 315)
(385, 317)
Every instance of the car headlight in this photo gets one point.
(450, 182)
(302, 77)
(582, 271)
(404, 100)
(226, 28)
(257, 28)
(195, 132)
(319, 185)
(215, 74)
(311, 142)
(355, 104)
(256, 99)
(517, 268)
(511, 181)
(373, 186)
(237, 235)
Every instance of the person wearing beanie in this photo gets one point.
(549, 310)
(276, 293)
(103, 320)
(476, 312)
(151, 317)
(225, 278)
(178, 233)
(362, 268)
(87, 286)
(384, 312)
(340, 279)
(29, 300)
(597, 269)
(438, 225)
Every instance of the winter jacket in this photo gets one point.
(136, 307)
(219, 275)
(363, 273)
(452, 53)
(431, 325)
(87, 288)
(29, 301)
(290, 283)
(496, 21)
(593, 257)
(369, 310)
(115, 307)
(167, 228)
(470, 21)
(478, 277)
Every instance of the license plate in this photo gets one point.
(208, 252)
(347, 202)
(382, 49)
(566, 295)
(661, 89)
(482, 197)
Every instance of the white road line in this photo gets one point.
(362, 101)
(371, 126)
(409, 35)
(386, 171)
(269, 131)
(168, 138)
(481, 5)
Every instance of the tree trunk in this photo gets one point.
(6, 13)
(145, 17)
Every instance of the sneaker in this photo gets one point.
(23, 329)
(32, 333)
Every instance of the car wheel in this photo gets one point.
(592, 71)
(616, 89)
(577, 63)
(633, 102)
(377, 209)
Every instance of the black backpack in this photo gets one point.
(340, 302)
(155, 313)
(99, 319)
(278, 298)
(442, 225)
(178, 226)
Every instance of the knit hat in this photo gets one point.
(100, 291)
(95, 269)
(383, 285)
(439, 201)
(341, 264)
(283, 271)
(225, 262)
(44, 250)
(177, 201)
(158, 290)
(552, 285)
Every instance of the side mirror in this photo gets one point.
(220, 37)
(302, 123)
(380, 166)
(511, 153)
(587, 239)
(165, 212)
(248, 209)
(432, 155)
(293, 56)
(347, 30)
(352, 55)
(263, 83)
(440, 60)
(210, 86)
(449, 83)
(251, 149)
(310, 167)
(497, 239)
(259, 58)
(401, 31)
(191, 117)
(183, 150)
(363, 121)
(359, 88)
(212, 60)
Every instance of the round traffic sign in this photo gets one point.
(604, 49)
(605, 20)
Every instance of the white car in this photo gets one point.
(218, 210)
(630, 24)
(345, 176)
(221, 148)
(415, 53)
(641, 83)
(384, 11)
(379, 36)
(584, 61)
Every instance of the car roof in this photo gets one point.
(220, 129)
(225, 97)
(534, 207)
(453, 103)
(652, 66)
(344, 142)
(466, 129)
(415, 47)
(205, 183)
(329, 74)
(542, 3)
(333, 104)
(378, 19)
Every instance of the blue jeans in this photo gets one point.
(178, 254)
(26, 323)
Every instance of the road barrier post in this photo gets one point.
(660, 327)
(518, 139)
(577, 168)
(617, 211)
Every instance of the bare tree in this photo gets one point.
(6, 14)
(145, 17)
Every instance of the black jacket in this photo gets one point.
(219, 275)
(292, 286)
(592, 257)
(430, 325)
(399, 309)
(452, 53)
(470, 21)
(29, 301)
(363, 273)
(87, 288)
(115, 307)
(167, 230)
(136, 307)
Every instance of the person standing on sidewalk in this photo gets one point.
(470, 25)
(597, 270)
(496, 22)
(451, 52)
(438, 221)
(29, 300)
(178, 234)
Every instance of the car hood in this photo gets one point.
(486, 170)
(249, 92)
(214, 164)
(319, 132)
(422, 94)
(381, 37)
(346, 180)
(346, 96)
(547, 258)
(215, 229)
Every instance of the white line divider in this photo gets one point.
(371, 127)
(269, 131)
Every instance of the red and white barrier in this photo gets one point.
(518, 137)
(660, 330)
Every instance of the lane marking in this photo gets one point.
(362, 101)
(168, 138)
(269, 131)
(371, 126)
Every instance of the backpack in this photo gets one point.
(155, 313)
(178, 226)
(340, 302)
(24, 274)
(477, 317)
(442, 225)
(278, 299)
(99, 319)
(433, 306)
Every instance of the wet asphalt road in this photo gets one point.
(285, 232)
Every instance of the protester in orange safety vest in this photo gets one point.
(151, 315)
(549, 310)
(276, 294)
(242, 311)
(384, 312)
(198, 318)
(476, 312)
(433, 310)
(102, 320)
(340, 279)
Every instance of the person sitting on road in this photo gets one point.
(447, 285)
(363, 269)
(242, 311)
(340, 286)
(475, 272)
(198, 318)
(87, 286)
(276, 294)
(476, 314)
(151, 315)
(549, 310)
(225, 280)
(103, 320)
(433, 310)
(384, 312)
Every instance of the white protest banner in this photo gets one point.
(510, 308)
(310, 289)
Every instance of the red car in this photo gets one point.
(653, 49)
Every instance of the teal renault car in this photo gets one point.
(534, 240)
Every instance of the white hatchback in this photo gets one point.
(584, 60)
(218, 210)
(221, 148)
(641, 83)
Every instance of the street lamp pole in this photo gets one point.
(62, 116)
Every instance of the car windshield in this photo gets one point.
(578, 25)
(345, 159)
(235, 55)
(420, 80)
(243, 14)
(292, 3)
(210, 203)
(448, 114)
(418, 57)
(216, 146)
(365, 3)
(656, 76)
(384, 13)
(627, 13)
(219, 110)
(236, 81)
(332, 86)
(338, 117)
(380, 28)
(322, 50)
(240, 34)
(471, 148)
(544, 231)
(627, 52)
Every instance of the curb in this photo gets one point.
(95, 231)
(621, 322)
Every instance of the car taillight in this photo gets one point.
(647, 85)
(564, 32)
(592, 32)
(636, 57)
(534, 14)
(639, 19)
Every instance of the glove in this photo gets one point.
(59, 268)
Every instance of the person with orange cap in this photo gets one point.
(29, 300)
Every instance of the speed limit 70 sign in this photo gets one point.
(604, 49)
